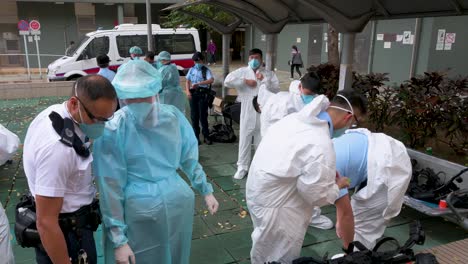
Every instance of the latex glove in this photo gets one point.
(259, 76)
(211, 203)
(124, 255)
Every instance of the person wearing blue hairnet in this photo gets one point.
(135, 53)
(171, 92)
(147, 208)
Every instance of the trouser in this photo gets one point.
(369, 224)
(199, 114)
(6, 252)
(278, 233)
(212, 58)
(249, 132)
(74, 244)
(297, 70)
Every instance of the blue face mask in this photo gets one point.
(254, 64)
(140, 111)
(92, 131)
(307, 98)
(198, 66)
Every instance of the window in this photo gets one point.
(97, 46)
(175, 43)
(124, 43)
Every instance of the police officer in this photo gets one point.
(197, 87)
(57, 164)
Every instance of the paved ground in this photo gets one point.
(225, 237)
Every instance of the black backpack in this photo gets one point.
(211, 94)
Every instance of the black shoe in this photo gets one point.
(208, 141)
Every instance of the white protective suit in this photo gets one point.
(250, 119)
(6, 252)
(278, 106)
(287, 178)
(294, 87)
(9, 143)
(388, 175)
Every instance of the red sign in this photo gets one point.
(23, 25)
(34, 25)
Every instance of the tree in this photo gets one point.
(178, 18)
(333, 54)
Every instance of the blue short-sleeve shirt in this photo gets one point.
(195, 75)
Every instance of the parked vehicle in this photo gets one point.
(80, 61)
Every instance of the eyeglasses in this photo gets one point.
(91, 116)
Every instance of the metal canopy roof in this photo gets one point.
(271, 16)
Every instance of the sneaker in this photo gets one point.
(209, 64)
(240, 174)
(291, 79)
(321, 222)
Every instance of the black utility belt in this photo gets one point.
(200, 90)
(87, 217)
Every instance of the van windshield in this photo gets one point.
(72, 49)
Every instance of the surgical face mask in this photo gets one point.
(141, 111)
(307, 98)
(159, 64)
(254, 64)
(92, 131)
(198, 66)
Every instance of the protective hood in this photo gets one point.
(294, 87)
(137, 79)
(310, 111)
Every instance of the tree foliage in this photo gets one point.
(177, 18)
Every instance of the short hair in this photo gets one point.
(355, 98)
(103, 61)
(311, 81)
(198, 56)
(256, 51)
(150, 55)
(94, 87)
(72, 42)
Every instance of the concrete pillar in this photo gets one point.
(346, 67)
(271, 45)
(120, 14)
(149, 25)
(226, 54)
(415, 51)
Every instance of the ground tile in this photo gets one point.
(208, 251)
(228, 221)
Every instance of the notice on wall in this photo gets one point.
(30, 39)
(380, 36)
(263, 37)
(440, 39)
(412, 40)
(448, 46)
(399, 38)
(441, 36)
(406, 37)
(325, 36)
(450, 38)
(387, 45)
(298, 40)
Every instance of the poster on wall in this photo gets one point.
(449, 40)
(440, 39)
(399, 38)
(387, 45)
(406, 37)
(380, 36)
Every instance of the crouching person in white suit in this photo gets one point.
(379, 167)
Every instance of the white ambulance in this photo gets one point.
(81, 60)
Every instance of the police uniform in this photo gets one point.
(54, 169)
(199, 102)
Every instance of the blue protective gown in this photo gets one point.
(171, 92)
(144, 202)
